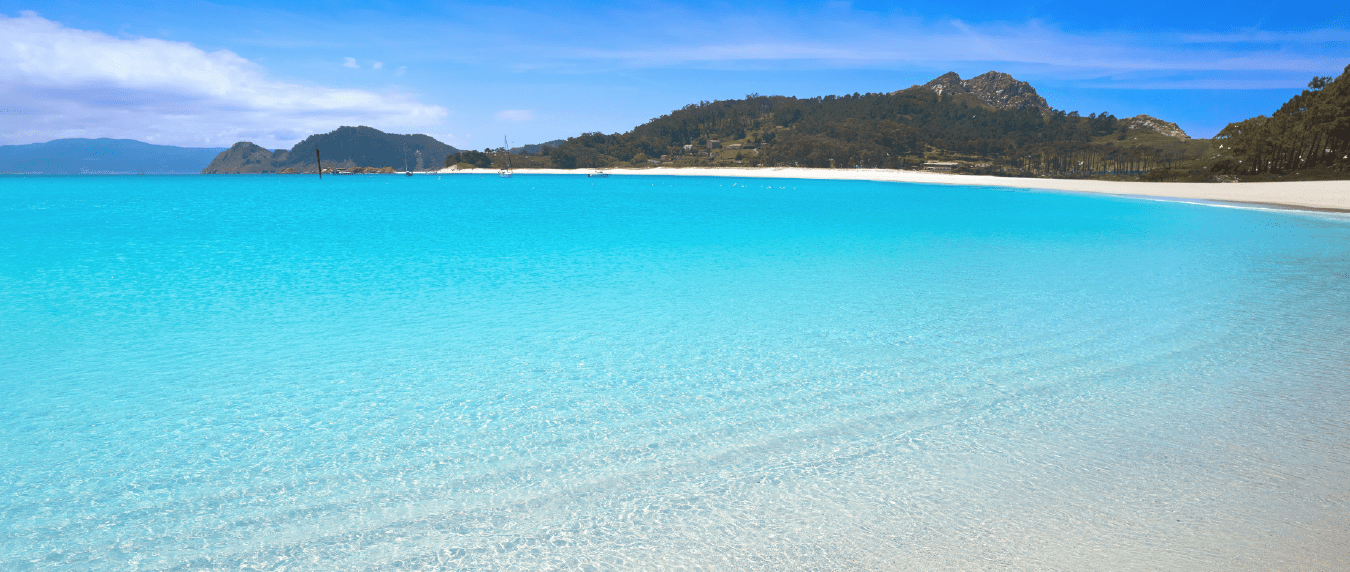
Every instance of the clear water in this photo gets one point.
(536, 373)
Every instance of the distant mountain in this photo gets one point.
(346, 147)
(80, 156)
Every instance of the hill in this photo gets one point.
(1306, 138)
(344, 148)
(992, 124)
(89, 156)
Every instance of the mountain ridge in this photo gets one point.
(73, 156)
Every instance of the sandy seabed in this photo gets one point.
(1313, 195)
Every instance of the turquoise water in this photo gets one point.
(551, 372)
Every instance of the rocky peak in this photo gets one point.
(1149, 123)
(995, 89)
(948, 82)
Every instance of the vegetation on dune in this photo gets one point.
(469, 159)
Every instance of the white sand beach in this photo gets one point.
(1316, 195)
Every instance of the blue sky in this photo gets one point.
(198, 73)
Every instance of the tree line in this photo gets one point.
(1310, 131)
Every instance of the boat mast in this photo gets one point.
(319, 161)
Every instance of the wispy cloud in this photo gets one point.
(956, 42)
(350, 63)
(515, 115)
(377, 65)
(1255, 36)
(76, 83)
(838, 36)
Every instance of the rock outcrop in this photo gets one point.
(998, 90)
(1148, 123)
(994, 89)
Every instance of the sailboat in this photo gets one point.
(506, 150)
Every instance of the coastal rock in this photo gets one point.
(994, 89)
(1148, 123)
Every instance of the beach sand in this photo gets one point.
(1311, 195)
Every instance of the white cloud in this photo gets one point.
(350, 63)
(76, 83)
(377, 65)
(401, 70)
(515, 115)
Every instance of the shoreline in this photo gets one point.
(1323, 196)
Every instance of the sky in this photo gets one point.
(208, 74)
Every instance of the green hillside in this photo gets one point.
(1307, 137)
(903, 129)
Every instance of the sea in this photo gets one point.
(544, 372)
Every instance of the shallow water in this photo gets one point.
(550, 372)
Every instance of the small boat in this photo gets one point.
(506, 151)
(598, 174)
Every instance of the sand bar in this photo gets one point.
(1315, 195)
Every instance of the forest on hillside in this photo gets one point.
(1308, 137)
(875, 130)
(1310, 132)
